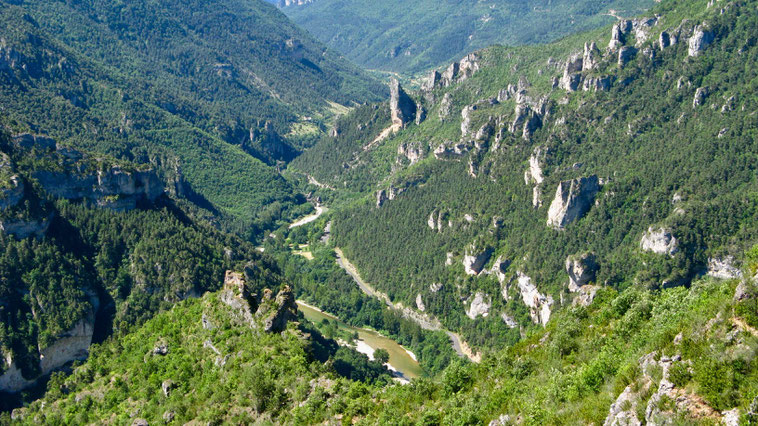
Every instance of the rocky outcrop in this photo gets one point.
(413, 151)
(270, 313)
(432, 81)
(389, 194)
(591, 56)
(660, 241)
(480, 306)
(701, 38)
(625, 55)
(449, 150)
(572, 73)
(597, 83)
(700, 94)
(12, 194)
(420, 303)
(236, 294)
(112, 188)
(538, 304)
(25, 227)
(276, 316)
(667, 402)
(509, 320)
(402, 107)
(581, 270)
(573, 199)
(475, 258)
(723, 268)
(69, 346)
(455, 72)
(466, 119)
(438, 219)
(618, 34)
(534, 174)
(446, 107)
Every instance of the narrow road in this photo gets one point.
(310, 218)
(427, 324)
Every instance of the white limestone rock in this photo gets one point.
(701, 38)
(475, 258)
(659, 241)
(573, 198)
(723, 268)
(538, 304)
(420, 303)
(480, 306)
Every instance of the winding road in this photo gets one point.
(311, 217)
(423, 320)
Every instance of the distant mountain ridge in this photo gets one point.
(413, 36)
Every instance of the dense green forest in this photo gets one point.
(414, 36)
(184, 86)
(665, 161)
(698, 343)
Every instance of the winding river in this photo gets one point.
(401, 360)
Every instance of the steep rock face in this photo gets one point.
(538, 304)
(237, 295)
(22, 228)
(581, 270)
(723, 268)
(573, 199)
(480, 306)
(474, 259)
(660, 241)
(618, 34)
(11, 196)
(284, 310)
(701, 38)
(69, 346)
(437, 220)
(112, 188)
(402, 107)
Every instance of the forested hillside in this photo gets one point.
(412, 36)
(540, 175)
(92, 246)
(184, 86)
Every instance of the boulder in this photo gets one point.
(167, 386)
(723, 268)
(573, 199)
(701, 38)
(480, 306)
(402, 107)
(581, 270)
(660, 241)
(474, 259)
(509, 320)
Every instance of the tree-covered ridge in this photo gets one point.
(672, 141)
(182, 86)
(78, 261)
(413, 36)
(682, 355)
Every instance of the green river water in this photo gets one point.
(400, 360)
